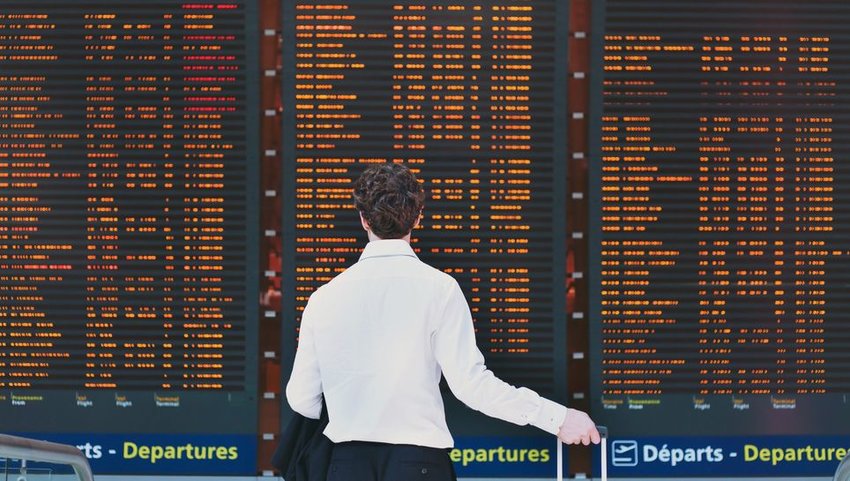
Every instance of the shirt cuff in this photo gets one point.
(550, 416)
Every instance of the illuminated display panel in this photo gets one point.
(719, 240)
(462, 94)
(466, 94)
(127, 258)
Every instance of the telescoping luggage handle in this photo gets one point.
(603, 455)
(603, 452)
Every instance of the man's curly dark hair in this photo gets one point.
(390, 199)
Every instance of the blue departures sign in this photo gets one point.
(726, 456)
(504, 456)
(173, 454)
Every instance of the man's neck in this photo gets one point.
(373, 237)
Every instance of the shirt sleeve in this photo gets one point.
(304, 389)
(475, 385)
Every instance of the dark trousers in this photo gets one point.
(362, 461)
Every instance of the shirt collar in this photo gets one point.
(387, 248)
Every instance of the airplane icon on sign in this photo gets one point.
(625, 453)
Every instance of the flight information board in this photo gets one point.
(128, 266)
(719, 235)
(471, 96)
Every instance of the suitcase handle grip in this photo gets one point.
(603, 431)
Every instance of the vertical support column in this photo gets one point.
(578, 381)
(269, 358)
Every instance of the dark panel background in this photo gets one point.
(470, 179)
(108, 166)
(718, 246)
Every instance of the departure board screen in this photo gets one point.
(470, 95)
(719, 244)
(128, 265)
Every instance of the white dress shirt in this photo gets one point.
(375, 340)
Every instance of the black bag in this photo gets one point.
(304, 453)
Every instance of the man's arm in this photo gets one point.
(304, 390)
(477, 387)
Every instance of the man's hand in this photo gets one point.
(578, 428)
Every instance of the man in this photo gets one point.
(377, 338)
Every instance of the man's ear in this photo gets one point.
(418, 220)
(364, 223)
